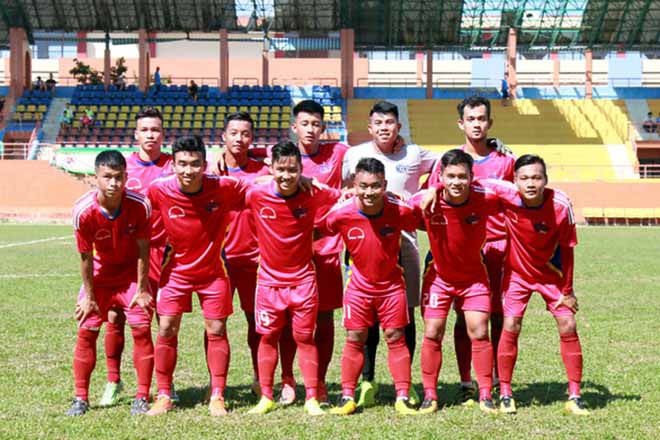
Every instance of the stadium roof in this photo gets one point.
(378, 24)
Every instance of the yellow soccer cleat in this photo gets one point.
(508, 405)
(368, 391)
(467, 395)
(413, 396)
(487, 406)
(264, 406)
(403, 406)
(217, 406)
(346, 407)
(313, 408)
(162, 405)
(576, 407)
(429, 406)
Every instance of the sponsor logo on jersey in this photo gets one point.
(355, 234)
(402, 168)
(176, 212)
(268, 213)
(102, 234)
(133, 183)
(325, 168)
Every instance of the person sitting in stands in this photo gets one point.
(87, 119)
(193, 88)
(50, 84)
(67, 117)
(649, 124)
(39, 84)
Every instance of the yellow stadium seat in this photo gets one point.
(222, 109)
(31, 108)
(209, 123)
(232, 109)
(187, 116)
(110, 124)
(197, 125)
(178, 109)
(176, 116)
(114, 109)
(103, 108)
(168, 109)
(200, 109)
(187, 123)
(209, 116)
(122, 117)
(121, 124)
(124, 109)
(176, 124)
(135, 109)
(132, 123)
(42, 108)
(112, 116)
(198, 117)
(190, 109)
(20, 108)
(100, 116)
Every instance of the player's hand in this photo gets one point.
(429, 200)
(143, 300)
(498, 145)
(346, 194)
(569, 301)
(218, 167)
(85, 307)
(263, 179)
(306, 184)
(398, 144)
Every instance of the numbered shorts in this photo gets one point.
(363, 311)
(518, 291)
(438, 296)
(329, 281)
(117, 297)
(494, 253)
(175, 298)
(243, 279)
(275, 306)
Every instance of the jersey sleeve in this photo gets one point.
(235, 191)
(414, 202)
(506, 192)
(567, 229)
(427, 160)
(143, 228)
(328, 223)
(84, 235)
(409, 220)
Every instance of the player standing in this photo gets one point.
(286, 287)
(195, 210)
(112, 229)
(370, 224)
(142, 167)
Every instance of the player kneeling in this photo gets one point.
(112, 229)
(370, 224)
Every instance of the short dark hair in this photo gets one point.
(472, 102)
(192, 144)
(285, 149)
(370, 165)
(308, 106)
(239, 116)
(111, 159)
(385, 107)
(530, 159)
(457, 157)
(149, 112)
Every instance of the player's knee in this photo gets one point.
(168, 327)
(434, 331)
(478, 332)
(512, 324)
(393, 334)
(303, 337)
(358, 336)
(566, 325)
(215, 327)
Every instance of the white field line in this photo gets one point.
(13, 276)
(27, 243)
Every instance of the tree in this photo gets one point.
(86, 74)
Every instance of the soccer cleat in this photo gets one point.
(575, 406)
(429, 406)
(173, 395)
(313, 408)
(111, 393)
(78, 408)
(217, 406)
(322, 394)
(467, 395)
(264, 406)
(413, 396)
(368, 392)
(508, 405)
(345, 407)
(162, 405)
(288, 392)
(487, 406)
(140, 406)
(256, 388)
(403, 406)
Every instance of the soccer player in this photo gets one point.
(142, 167)
(324, 163)
(112, 228)
(241, 250)
(195, 210)
(456, 228)
(490, 162)
(404, 166)
(370, 224)
(541, 257)
(286, 285)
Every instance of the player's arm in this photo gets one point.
(142, 297)
(87, 304)
(567, 298)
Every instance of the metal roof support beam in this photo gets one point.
(224, 61)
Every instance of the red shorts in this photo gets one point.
(115, 297)
(329, 281)
(362, 312)
(494, 253)
(517, 293)
(274, 306)
(156, 255)
(438, 295)
(243, 278)
(175, 298)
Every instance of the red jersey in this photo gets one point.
(113, 240)
(326, 166)
(495, 165)
(241, 240)
(196, 224)
(458, 233)
(373, 242)
(284, 227)
(140, 176)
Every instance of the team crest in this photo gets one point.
(325, 168)
(472, 219)
(300, 212)
(438, 219)
(130, 229)
(541, 228)
(386, 230)
(212, 206)
(402, 168)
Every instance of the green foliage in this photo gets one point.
(88, 75)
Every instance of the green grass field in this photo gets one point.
(617, 280)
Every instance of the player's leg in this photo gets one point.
(352, 361)
(165, 357)
(463, 349)
(253, 343)
(507, 354)
(114, 347)
(287, 355)
(482, 355)
(369, 387)
(494, 253)
(217, 357)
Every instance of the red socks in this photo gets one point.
(84, 361)
(253, 342)
(267, 355)
(166, 353)
(114, 347)
(217, 358)
(463, 348)
(398, 359)
(352, 361)
(324, 339)
(308, 361)
(287, 353)
(143, 359)
(482, 361)
(507, 353)
(571, 354)
(431, 363)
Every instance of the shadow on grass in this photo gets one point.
(547, 393)
(236, 396)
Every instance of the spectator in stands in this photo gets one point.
(157, 76)
(67, 117)
(505, 89)
(650, 125)
(120, 82)
(50, 84)
(193, 88)
(87, 119)
(39, 84)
